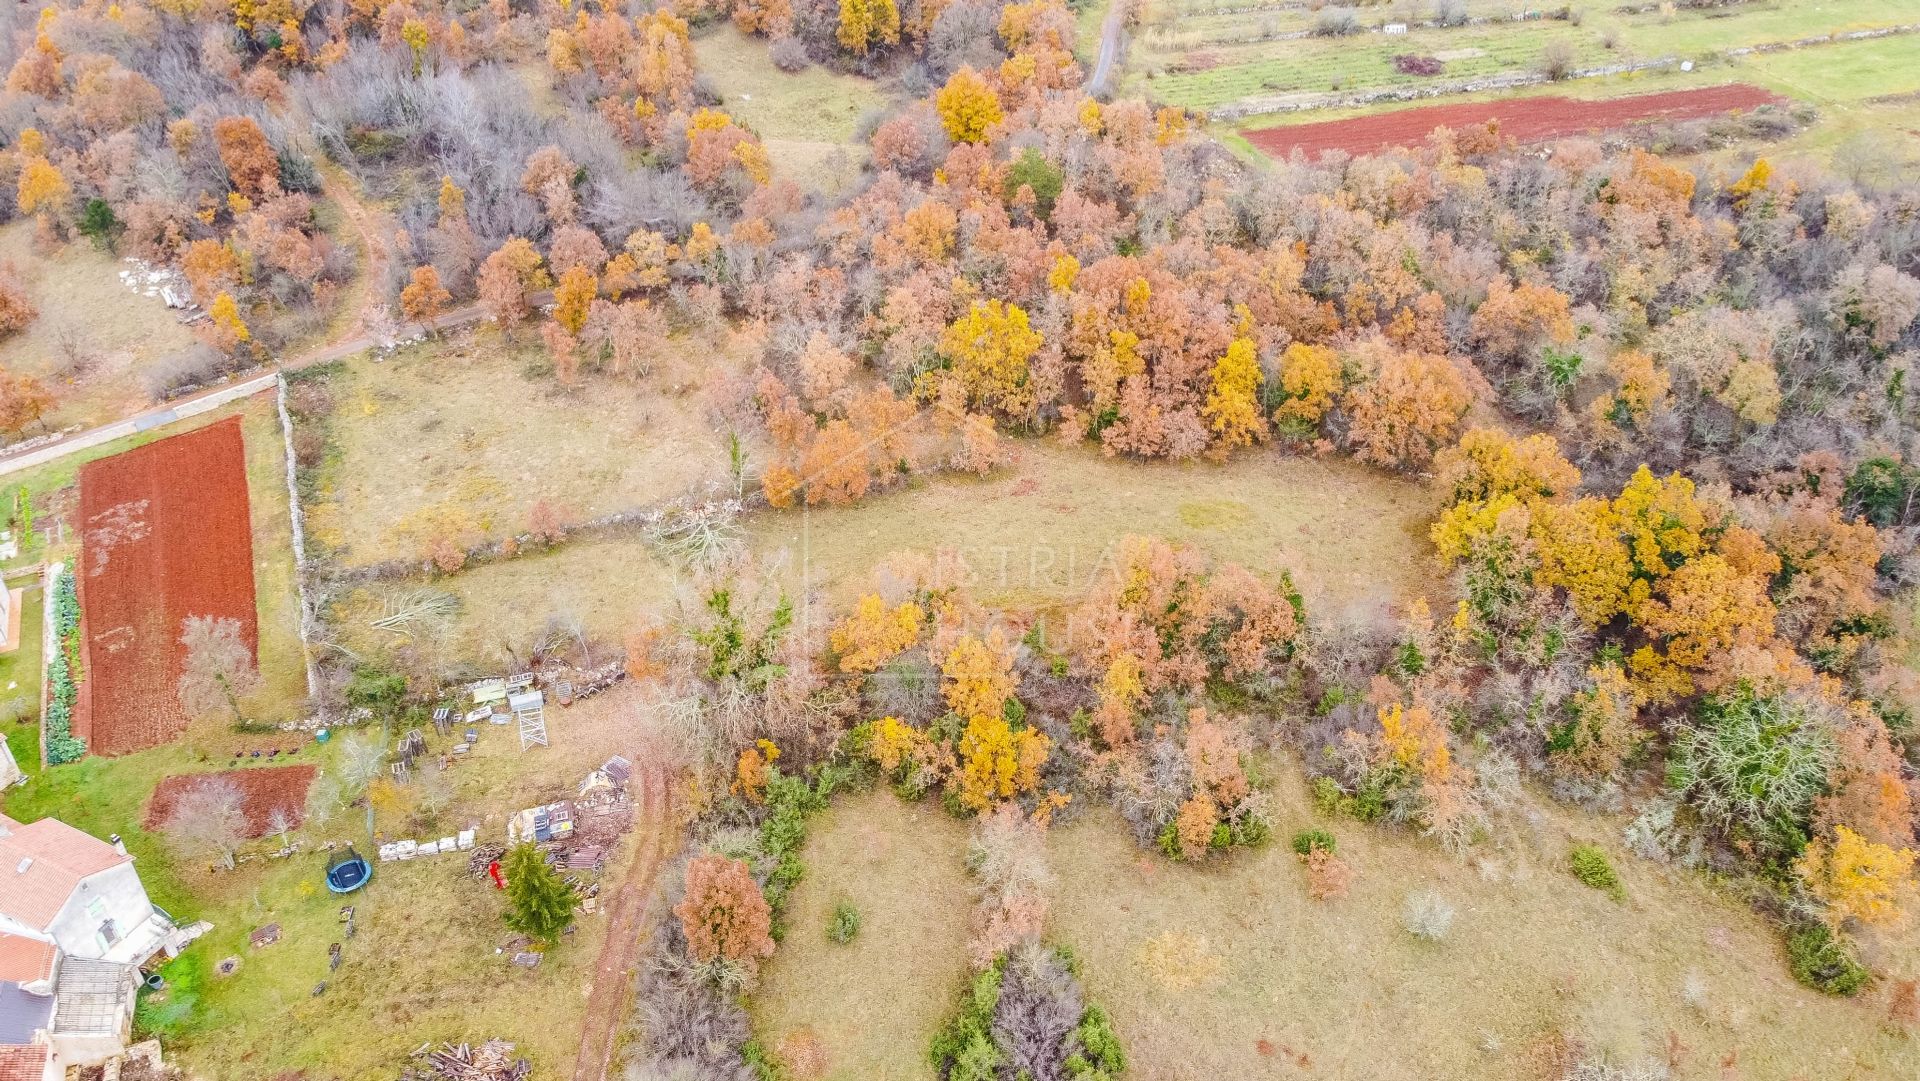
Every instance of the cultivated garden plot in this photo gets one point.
(168, 535)
(461, 440)
(273, 798)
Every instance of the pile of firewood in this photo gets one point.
(491, 1061)
(480, 857)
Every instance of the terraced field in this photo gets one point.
(1199, 56)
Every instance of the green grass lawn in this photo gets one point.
(20, 685)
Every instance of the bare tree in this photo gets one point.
(219, 667)
(207, 819)
(280, 823)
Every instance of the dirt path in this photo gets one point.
(341, 189)
(613, 976)
(1110, 35)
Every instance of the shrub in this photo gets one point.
(844, 923)
(1450, 12)
(1415, 64)
(1590, 866)
(1427, 915)
(1307, 842)
(963, 1049)
(1556, 60)
(1824, 961)
(1335, 22)
(1753, 766)
(789, 54)
(1328, 876)
(1100, 1051)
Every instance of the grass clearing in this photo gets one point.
(1227, 969)
(465, 436)
(86, 313)
(1033, 535)
(1036, 534)
(808, 119)
(875, 1002)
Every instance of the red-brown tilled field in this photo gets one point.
(167, 534)
(1525, 120)
(262, 791)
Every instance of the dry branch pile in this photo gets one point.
(491, 1061)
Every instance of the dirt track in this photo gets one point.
(613, 975)
(1526, 120)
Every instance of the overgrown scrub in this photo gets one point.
(1025, 1015)
(1825, 961)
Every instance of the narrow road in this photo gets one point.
(214, 397)
(613, 976)
(1111, 32)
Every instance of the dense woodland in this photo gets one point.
(1668, 409)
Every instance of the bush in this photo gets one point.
(963, 1049)
(1307, 842)
(1556, 60)
(1336, 22)
(1824, 961)
(1414, 64)
(844, 923)
(193, 367)
(1590, 866)
(789, 54)
(1427, 915)
(1450, 12)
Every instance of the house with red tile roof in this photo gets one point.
(67, 887)
(75, 927)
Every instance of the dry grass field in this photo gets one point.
(466, 436)
(88, 314)
(1037, 533)
(1230, 970)
(874, 1002)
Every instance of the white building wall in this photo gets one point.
(114, 894)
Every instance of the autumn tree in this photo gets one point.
(1515, 323)
(573, 297)
(865, 24)
(874, 634)
(217, 667)
(1310, 379)
(991, 347)
(229, 329)
(24, 400)
(1232, 408)
(250, 161)
(978, 675)
(1855, 878)
(1411, 406)
(423, 299)
(997, 761)
(968, 106)
(16, 308)
(508, 276)
(42, 188)
(724, 915)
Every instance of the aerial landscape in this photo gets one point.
(957, 540)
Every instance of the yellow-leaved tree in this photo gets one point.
(874, 634)
(979, 675)
(968, 106)
(990, 347)
(997, 762)
(867, 23)
(1232, 408)
(1855, 878)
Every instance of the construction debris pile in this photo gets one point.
(491, 1061)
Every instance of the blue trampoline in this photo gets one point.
(348, 871)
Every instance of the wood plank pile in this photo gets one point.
(482, 856)
(491, 1061)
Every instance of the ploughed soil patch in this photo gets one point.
(1526, 120)
(167, 534)
(262, 792)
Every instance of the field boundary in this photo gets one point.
(298, 516)
(49, 629)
